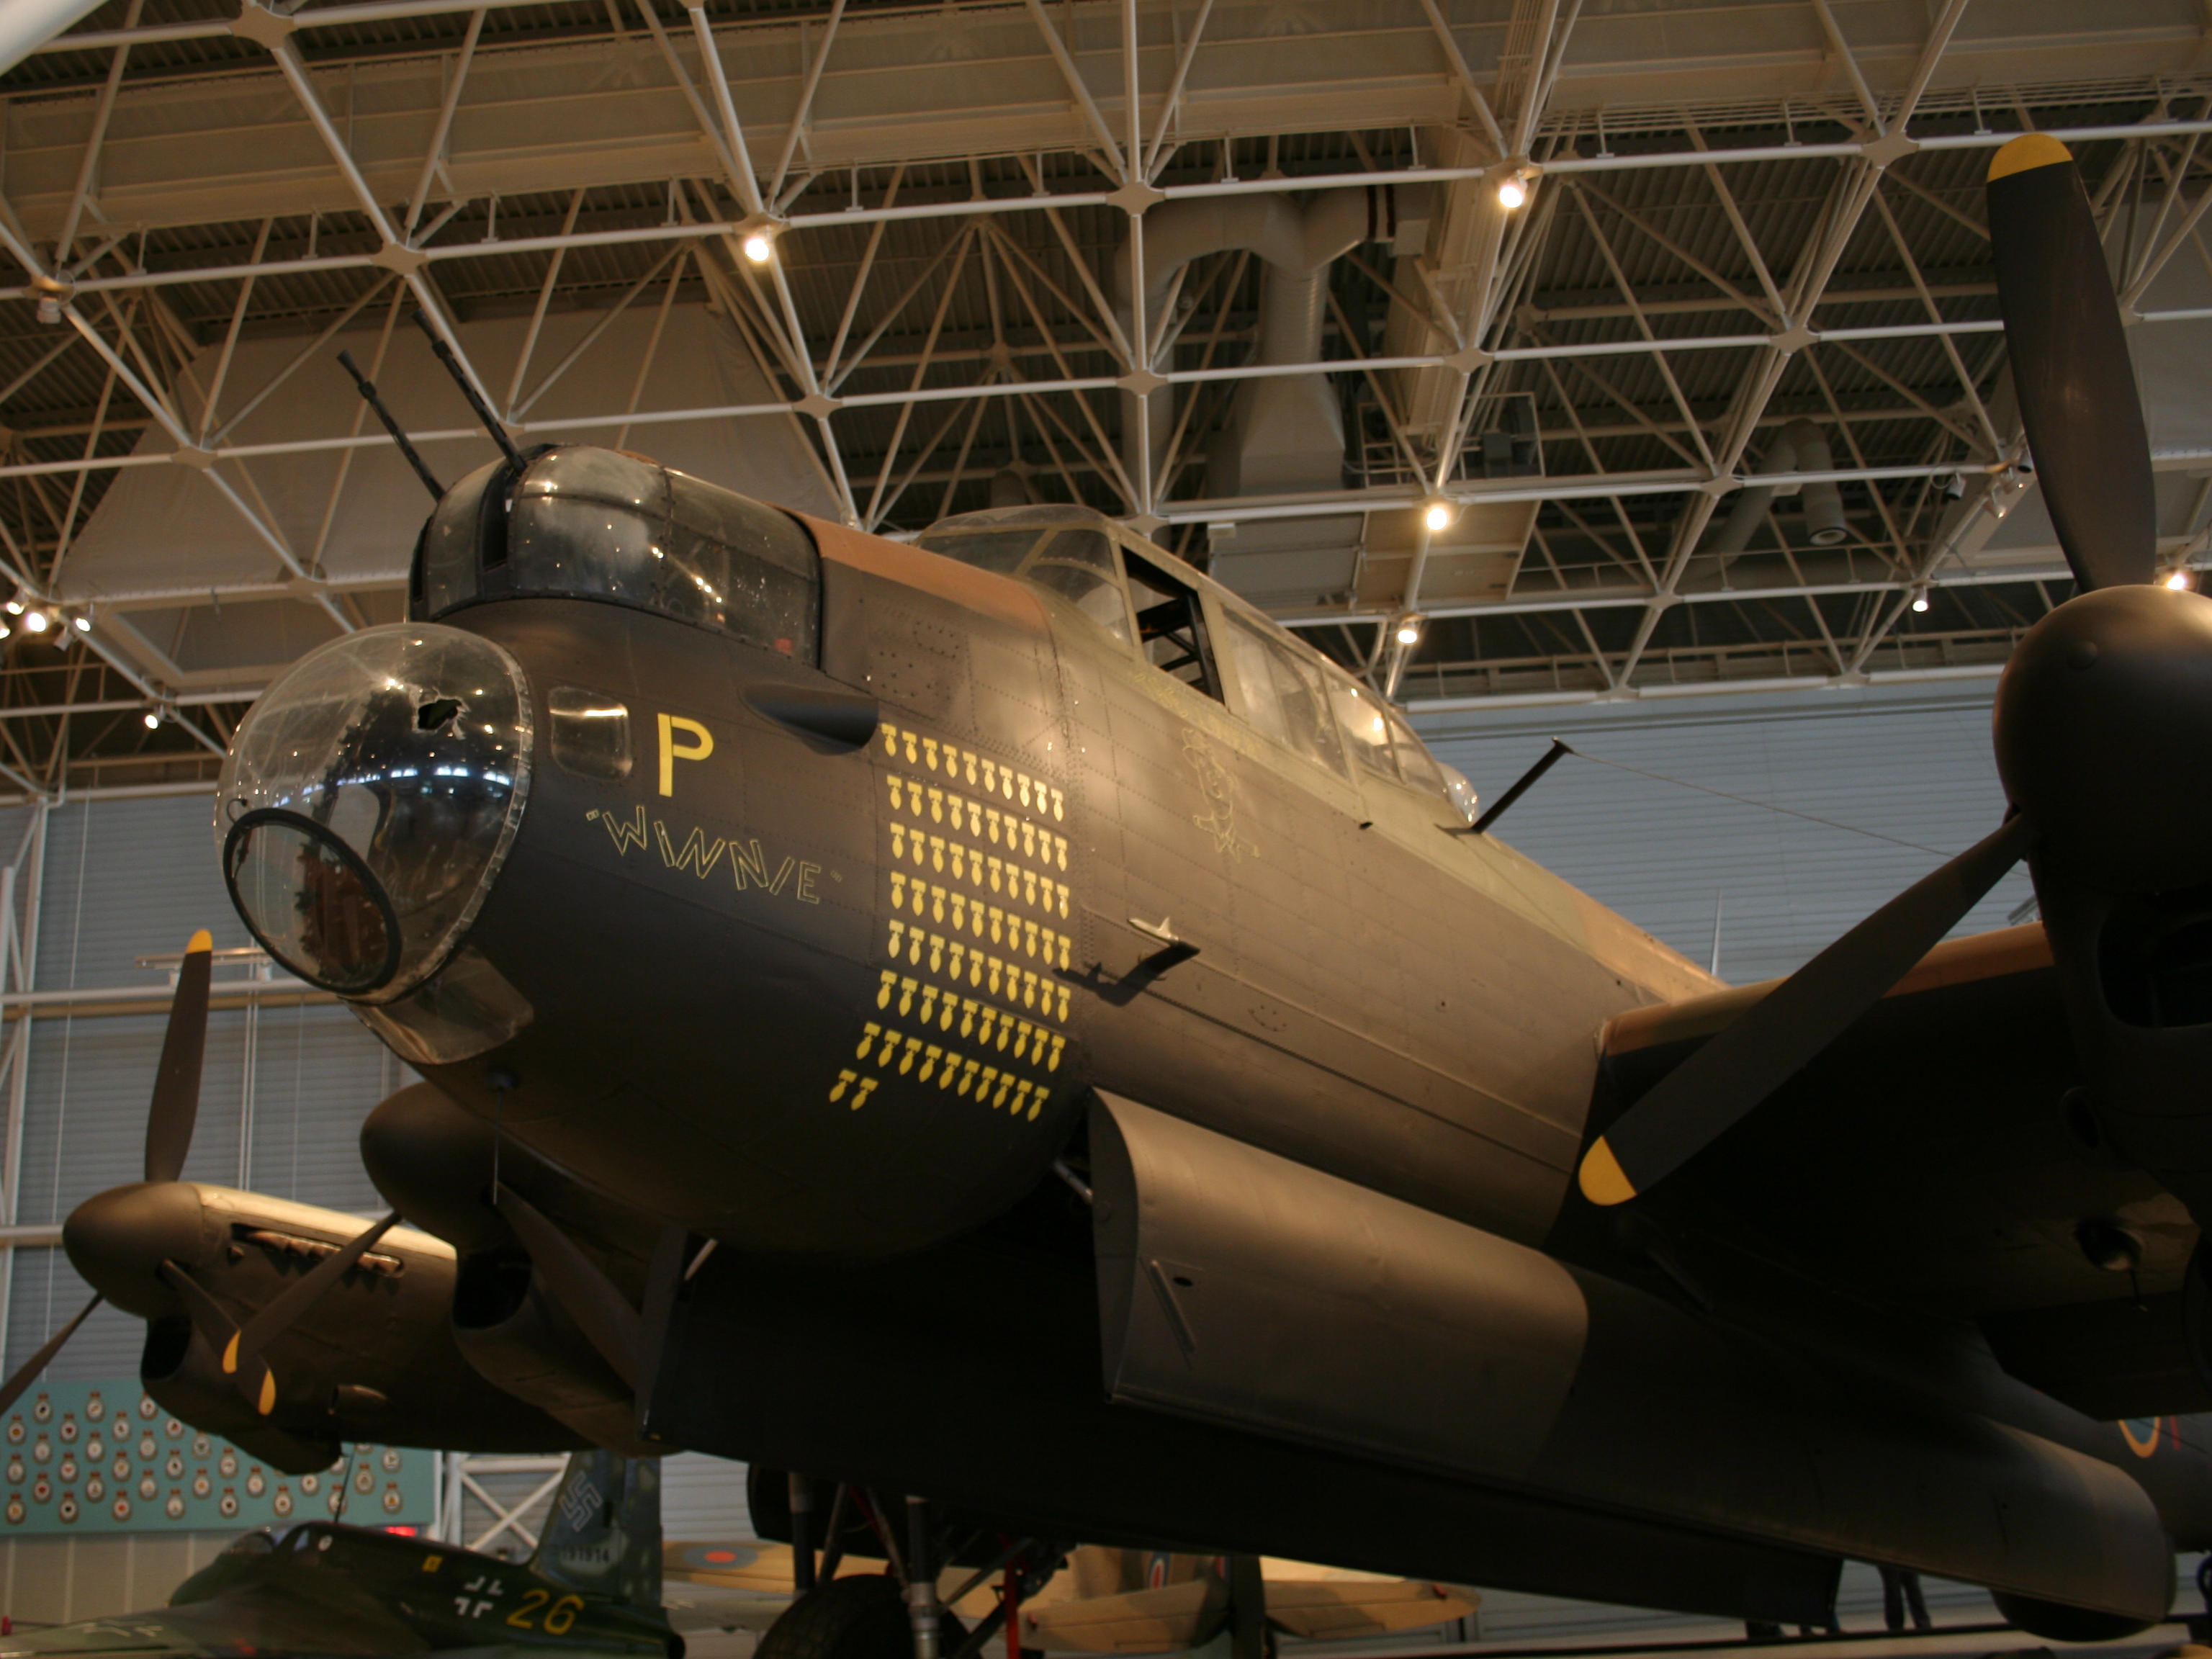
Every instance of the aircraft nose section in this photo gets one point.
(118, 1239)
(370, 800)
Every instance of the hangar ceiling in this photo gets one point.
(1236, 272)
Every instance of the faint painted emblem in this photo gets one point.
(579, 1503)
(1218, 791)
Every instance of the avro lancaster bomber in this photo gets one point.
(998, 1021)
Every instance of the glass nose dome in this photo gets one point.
(368, 801)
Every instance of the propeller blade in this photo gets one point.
(2069, 364)
(598, 1309)
(27, 1373)
(286, 1311)
(220, 1332)
(176, 1102)
(1719, 1085)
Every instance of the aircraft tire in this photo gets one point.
(2055, 1622)
(861, 1617)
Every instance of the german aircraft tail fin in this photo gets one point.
(602, 1537)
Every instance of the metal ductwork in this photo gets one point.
(1799, 447)
(1286, 432)
(1009, 487)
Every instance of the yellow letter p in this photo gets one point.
(670, 753)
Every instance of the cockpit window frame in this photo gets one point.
(494, 576)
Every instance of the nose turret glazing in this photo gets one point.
(368, 801)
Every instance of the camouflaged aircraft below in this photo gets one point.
(1100, 1600)
(592, 1589)
(998, 1021)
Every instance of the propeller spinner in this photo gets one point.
(2101, 715)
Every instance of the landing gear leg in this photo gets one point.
(802, 1533)
(1248, 1636)
(923, 1612)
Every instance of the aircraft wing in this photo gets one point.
(1330, 1609)
(750, 1565)
(737, 1585)
(256, 1622)
(1165, 1619)
(1923, 1159)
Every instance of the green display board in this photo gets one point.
(103, 1457)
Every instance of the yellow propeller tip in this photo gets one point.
(2025, 153)
(230, 1349)
(203, 940)
(268, 1401)
(1603, 1180)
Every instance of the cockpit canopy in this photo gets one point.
(587, 523)
(1133, 590)
(1067, 550)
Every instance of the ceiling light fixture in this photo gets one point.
(1409, 630)
(35, 621)
(15, 606)
(83, 625)
(153, 718)
(1920, 599)
(1513, 182)
(2181, 581)
(1437, 513)
(757, 237)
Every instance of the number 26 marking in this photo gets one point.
(559, 1621)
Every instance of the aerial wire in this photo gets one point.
(1747, 800)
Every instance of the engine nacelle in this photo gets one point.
(374, 1359)
(519, 1338)
(436, 1163)
(185, 1377)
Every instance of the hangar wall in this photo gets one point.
(1904, 775)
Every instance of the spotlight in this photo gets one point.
(35, 621)
(758, 245)
(15, 607)
(82, 625)
(2181, 581)
(1437, 513)
(1409, 630)
(1511, 194)
(1920, 601)
(53, 294)
(153, 718)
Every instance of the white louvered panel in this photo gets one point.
(126, 878)
(1918, 768)
(46, 1296)
(703, 1499)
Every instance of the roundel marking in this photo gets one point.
(2142, 1443)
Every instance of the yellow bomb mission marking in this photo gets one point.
(979, 771)
(748, 865)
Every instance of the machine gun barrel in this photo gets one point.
(414, 457)
(491, 423)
